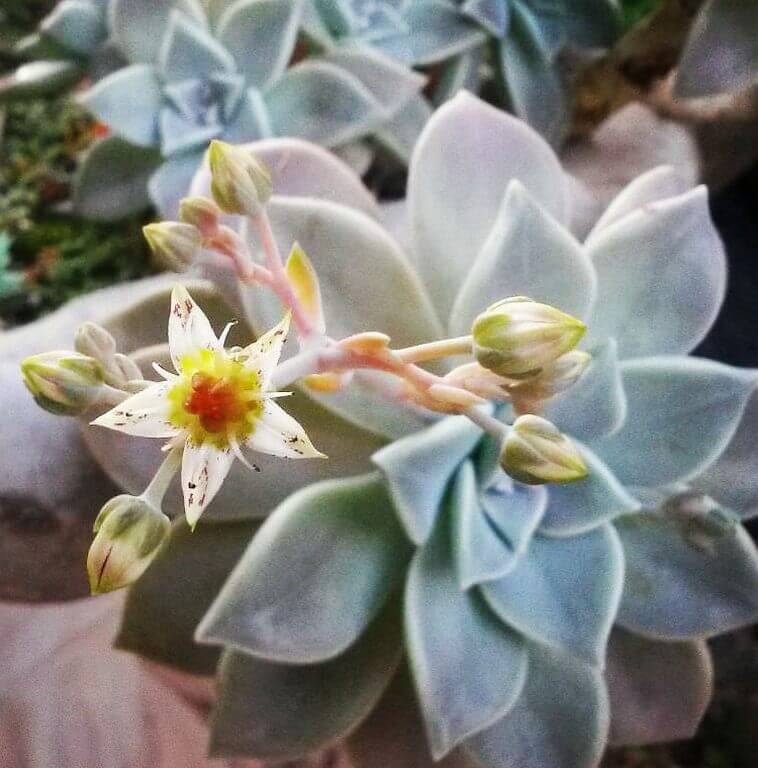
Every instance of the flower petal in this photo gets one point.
(145, 414)
(662, 275)
(319, 571)
(564, 592)
(188, 328)
(264, 353)
(463, 162)
(278, 434)
(204, 468)
(659, 691)
(527, 253)
(469, 669)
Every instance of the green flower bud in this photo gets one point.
(555, 377)
(240, 183)
(518, 337)
(129, 532)
(201, 212)
(536, 452)
(175, 246)
(64, 383)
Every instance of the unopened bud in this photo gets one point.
(481, 381)
(240, 183)
(64, 383)
(518, 337)
(537, 452)
(554, 378)
(93, 340)
(129, 532)
(201, 212)
(175, 246)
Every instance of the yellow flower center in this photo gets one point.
(216, 398)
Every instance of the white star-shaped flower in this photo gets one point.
(218, 402)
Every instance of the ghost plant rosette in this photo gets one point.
(549, 526)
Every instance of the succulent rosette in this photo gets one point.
(535, 623)
(525, 37)
(221, 73)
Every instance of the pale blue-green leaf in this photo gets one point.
(460, 73)
(560, 720)
(319, 570)
(480, 553)
(75, 24)
(189, 51)
(167, 603)
(39, 78)
(493, 15)
(180, 134)
(527, 253)
(564, 592)
(435, 31)
(682, 413)
(171, 182)
(691, 573)
(322, 103)
(578, 23)
(284, 711)
(400, 133)
(301, 169)
(390, 83)
(468, 668)
(138, 26)
(661, 275)
(464, 160)
(97, 196)
(658, 691)
(577, 507)
(660, 183)
(260, 35)
(252, 120)
(418, 468)
(316, 25)
(128, 102)
(722, 50)
(733, 478)
(533, 80)
(596, 405)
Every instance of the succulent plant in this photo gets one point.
(525, 38)
(536, 621)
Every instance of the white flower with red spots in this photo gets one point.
(218, 403)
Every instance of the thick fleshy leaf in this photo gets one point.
(662, 275)
(97, 197)
(709, 584)
(596, 405)
(322, 103)
(168, 601)
(577, 507)
(400, 133)
(301, 169)
(171, 182)
(532, 78)
(434, 31)
(283, 711)
(260, 35)
(251, 122)
(138, 26)
(418, 468)
(75, 24)
(527, 253)
(461, 73)
(128, 102)
(733, 477)
(39, 78)
(658, 691)
(480, 553)
(317, 573)
(660, 183)
(561, 718)
(464, 160)
(682, 412)
(721, 52)
(493, 15)
(188, 51)
(468, 668)
(564, 592)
